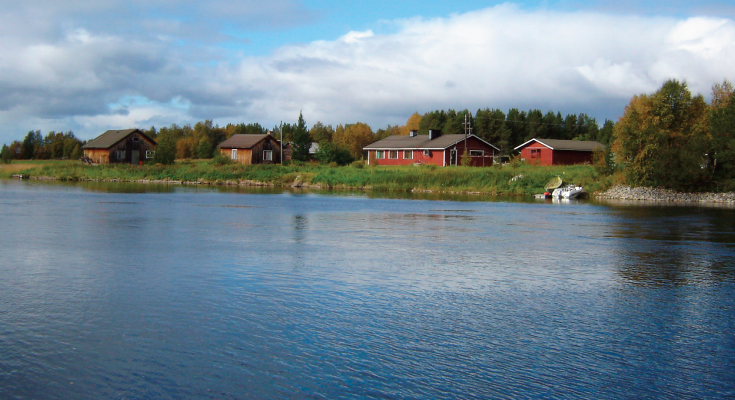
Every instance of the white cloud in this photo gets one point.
(500, 57)
(79, 77)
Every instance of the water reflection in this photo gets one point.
(232, 293)
(675, 245)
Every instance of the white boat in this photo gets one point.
(567, 192)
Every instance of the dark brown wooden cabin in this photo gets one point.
(126, 146)
(252, 149)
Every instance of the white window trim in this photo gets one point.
(391, 153)
(379, 154)
(121, 154)
(477, 153)
(233, 154)
(267, 155)
(150, 154)
(408, 153)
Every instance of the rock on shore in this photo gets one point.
(664, 195)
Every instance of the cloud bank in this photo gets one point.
(92, 76)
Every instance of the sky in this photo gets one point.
(91, 65)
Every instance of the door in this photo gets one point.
(134, 157)
(453, 157)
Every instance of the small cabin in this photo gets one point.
(434, 148)
(558, 152)
(126, 146)
(251, 149)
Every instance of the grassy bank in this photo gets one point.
(494, 180)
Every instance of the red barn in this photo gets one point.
(434, 148)
(558, 152)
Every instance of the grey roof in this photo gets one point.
(242, 141)
(398, 142)
(558, 144)
(112, 137)
(313, 148)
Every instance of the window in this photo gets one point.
(135, 138)
(393, 154)
(121, 154)
(234, 154)
(379, 154)
(150, 153)
(408, 154)
(267, 155)
(535, 153)
(427, 153)
(477, 153)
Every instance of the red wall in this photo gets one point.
(435, 157)
(555, 157)
(440, 157)
(546, 158)
(567, 157)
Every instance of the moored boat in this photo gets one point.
(567, 192)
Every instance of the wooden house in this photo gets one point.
(558, 152)
(434, 148)
(129, 146)
(252, 149)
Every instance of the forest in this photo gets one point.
(504, 130)
(669, 138)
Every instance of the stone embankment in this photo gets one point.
(664, 195)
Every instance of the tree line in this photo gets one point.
(35, 146)
(669, 138)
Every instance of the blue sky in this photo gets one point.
(93, 65)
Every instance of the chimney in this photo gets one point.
(413, 133)
(434, 133)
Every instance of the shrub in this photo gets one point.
(221, 159)
(516, 161)
(358, 164)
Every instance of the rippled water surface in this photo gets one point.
(121, 291)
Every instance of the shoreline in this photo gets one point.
(616, 193)
(297, 184)
(657, 195)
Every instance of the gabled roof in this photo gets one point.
(112, 137)
(558, 144)
(243, 141)
(420, 142)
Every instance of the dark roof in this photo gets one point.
(558, 144)
(112, 137)
(398, 142)
(242, 141)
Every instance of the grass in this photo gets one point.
(492, 180)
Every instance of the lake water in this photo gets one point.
(113, 291)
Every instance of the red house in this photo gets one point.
(558, 152)
(434, 148)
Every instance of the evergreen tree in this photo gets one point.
(301, 141)
(5, 155)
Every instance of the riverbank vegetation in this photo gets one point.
(514, 179)
(675, 140)
(669, 139)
